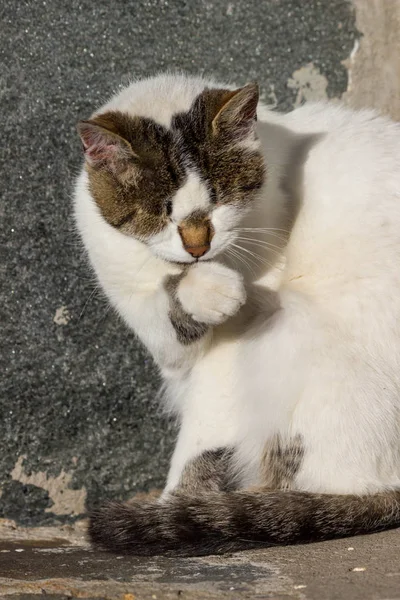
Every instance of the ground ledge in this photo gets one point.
(58, 563)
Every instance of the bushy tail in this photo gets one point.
(228, 521)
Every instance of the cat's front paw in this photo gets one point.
(211, 292)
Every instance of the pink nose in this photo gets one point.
(197, 251)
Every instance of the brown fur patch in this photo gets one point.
(134, 198)
(281, 461)
(239, 109)
(209, 472)
(234, 174)
(134, 187)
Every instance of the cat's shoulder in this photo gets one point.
(333, 117)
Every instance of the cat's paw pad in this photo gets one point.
(210, 292)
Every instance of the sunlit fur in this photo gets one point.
(314, 351)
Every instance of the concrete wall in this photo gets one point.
(79, 418)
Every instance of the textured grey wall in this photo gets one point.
(79, 420)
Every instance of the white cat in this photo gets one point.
(259, 262)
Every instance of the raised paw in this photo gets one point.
(211, 292)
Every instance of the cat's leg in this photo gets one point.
(208, 405)
(210, 401)
(211, 471)
(193, 442)
(174, 319)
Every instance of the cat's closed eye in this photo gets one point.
(213, 196)
(168, 207)
(250, 187)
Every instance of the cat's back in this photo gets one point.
(336, 118)
(354, 162)
(348, 224)
(347, 141)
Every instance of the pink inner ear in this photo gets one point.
(250, 111)
(99, 148)
(100, 152)
(247, 109)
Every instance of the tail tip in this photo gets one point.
(104, 526)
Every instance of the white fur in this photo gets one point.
(192, 196)
(326, 363)
(211, 293)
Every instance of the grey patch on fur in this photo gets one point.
(219, 522)
(188, 331)
(281, 461)
(211, 471)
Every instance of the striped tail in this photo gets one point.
(218, 522)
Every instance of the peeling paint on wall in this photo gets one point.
(309, 83)
(349, 64)
(66, 501)
(62, 316)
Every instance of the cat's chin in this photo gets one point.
(175, 260)
(186, 262)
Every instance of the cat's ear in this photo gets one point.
(103, 145)
(238, 111)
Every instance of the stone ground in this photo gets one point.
(56, 563)
(79, 419)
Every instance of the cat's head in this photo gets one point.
(183, 189)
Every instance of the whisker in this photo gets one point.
(252, 255)
(137, 273)
(247, 265)
(104, 315)
(234, 255)
(262, 242)
(144, 264)
(92, 293)
(262, 260)
(264, 231)
(278, 237)
(92, 279)
(276, 249)
(261, 229)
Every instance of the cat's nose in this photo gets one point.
(196, 233)
(197, 251)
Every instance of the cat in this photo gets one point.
(257, 257)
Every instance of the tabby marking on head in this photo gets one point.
(151, 182)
